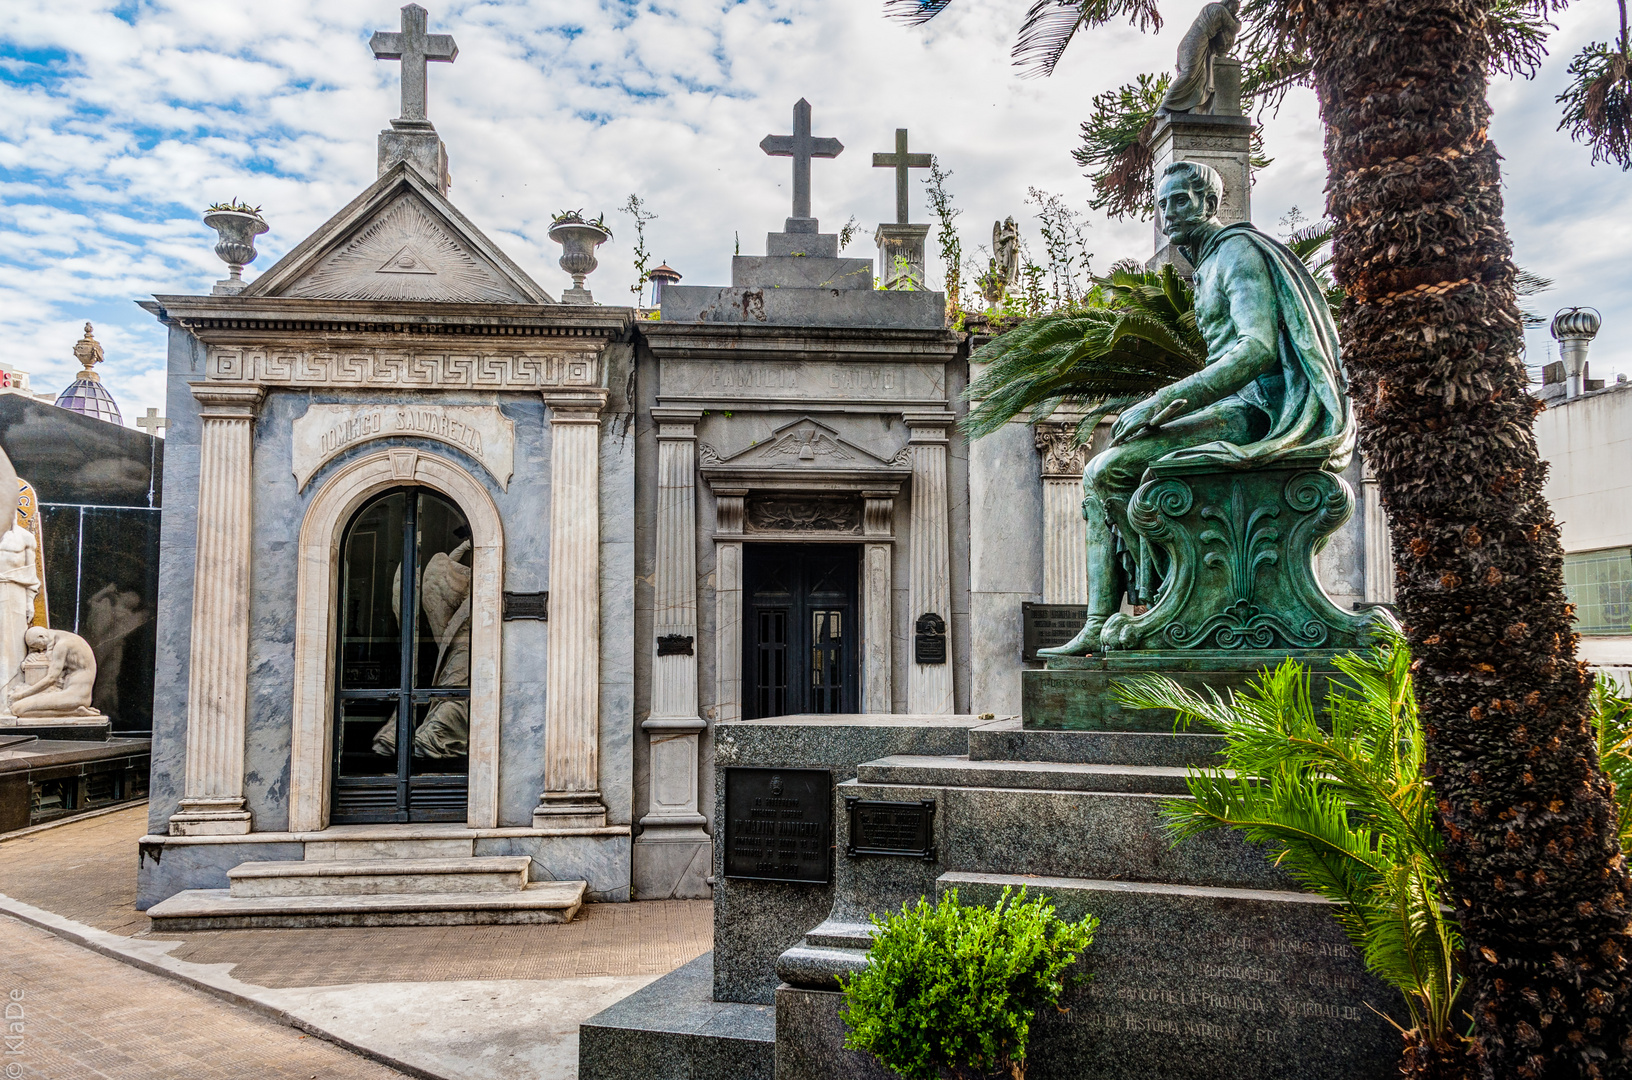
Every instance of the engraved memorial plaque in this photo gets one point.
(1048, 626)
(779, 824)
(929, 640)
(526, 605)
(878, 827)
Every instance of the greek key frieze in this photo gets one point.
(388, 368)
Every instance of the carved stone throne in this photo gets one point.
(1223, 561)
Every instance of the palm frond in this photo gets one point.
(1142, 337)
(1050, 25)
(1598, 102)
(1517, 30)
(914, 12)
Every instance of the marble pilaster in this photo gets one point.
(1065, 534)
(1379, 544)
(929, 585)
(674, 723)
(728, 518)
(212, 802)
(877, 524)
(571, 797)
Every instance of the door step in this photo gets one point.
(371, 877)
(218, 909)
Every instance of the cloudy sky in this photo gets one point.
(120, 121)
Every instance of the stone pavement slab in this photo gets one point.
(455, 1002)
(87, 1016)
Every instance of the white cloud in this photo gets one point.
(117, 128)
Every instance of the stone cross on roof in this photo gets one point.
(901, 161)
(414, 47)
(801, 148)
(152, 423)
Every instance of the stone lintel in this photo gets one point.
(576, 405)
(673, 423)
(792, 272)
(227, 402)
(811, 243)
(215, 319)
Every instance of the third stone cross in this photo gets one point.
(901, 161)
(801, 148)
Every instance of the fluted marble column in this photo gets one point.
(674, 723)
(572, 687)
(1379, 544)
(1065, 534)
(878, 525)
(212, 802)
(728, 510)
(929, 586)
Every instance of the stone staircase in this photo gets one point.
(1204, 944)
(429, 890)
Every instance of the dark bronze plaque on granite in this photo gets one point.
(779, 824)
(1048, 626)
(891, 828)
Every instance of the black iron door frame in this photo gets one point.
(405, 696)
(801, 645)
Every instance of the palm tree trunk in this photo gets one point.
(1432, 342)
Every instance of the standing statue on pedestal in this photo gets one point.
(1271, 397)
(1211, 36)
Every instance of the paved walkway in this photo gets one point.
(85, 1015)
(463, 1002)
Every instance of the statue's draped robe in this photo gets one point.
(444, 594)
(1210, 36)
(1309, 411)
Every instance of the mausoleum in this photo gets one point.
(461, 577)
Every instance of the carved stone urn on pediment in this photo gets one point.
(578, 239)
(236, 231)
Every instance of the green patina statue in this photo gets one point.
(1218, 489)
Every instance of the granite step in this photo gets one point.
(1007, 740)
(1053, 776)
(1101, 835)
(371, 877)
(218, 909)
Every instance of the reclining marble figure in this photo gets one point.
(1271, 396)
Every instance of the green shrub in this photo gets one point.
(950, 989)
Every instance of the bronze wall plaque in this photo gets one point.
(878, 827)
(1048, 626)
(779, 825)
(929, 640)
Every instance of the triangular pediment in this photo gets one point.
(803, 444)
(400, 240)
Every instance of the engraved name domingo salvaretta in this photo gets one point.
(1271, 392)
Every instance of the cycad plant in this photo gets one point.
(1337, 797)
(1136, 334)
(1612, 717)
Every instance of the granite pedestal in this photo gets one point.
(1207, 955)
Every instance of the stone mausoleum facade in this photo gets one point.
(459, 578)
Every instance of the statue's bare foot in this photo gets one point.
(1086, 641)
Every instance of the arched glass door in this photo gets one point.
(402, 696)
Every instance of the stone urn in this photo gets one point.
(578, 239)
(236, 231)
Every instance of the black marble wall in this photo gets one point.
(99, 487)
